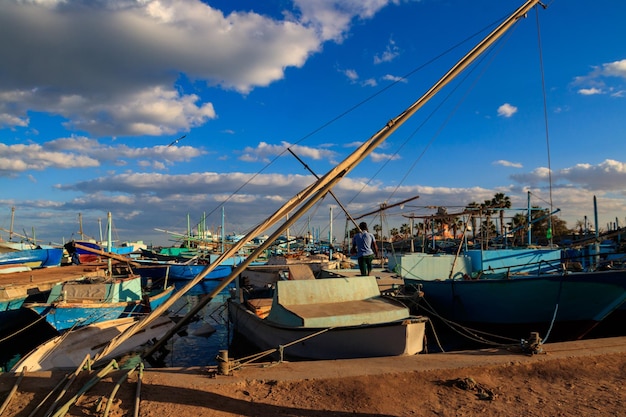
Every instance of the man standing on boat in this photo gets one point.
(365, 248)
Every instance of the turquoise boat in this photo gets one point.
(80, 303)
(565, 305)
(11, 298)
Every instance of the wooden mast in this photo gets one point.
(313, 193)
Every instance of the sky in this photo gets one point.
(162, 110)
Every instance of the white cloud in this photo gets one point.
(508, 163)
(265, 152)
(609, 175)
(589, 91)
(615, 69)
(395, 78)
(351, 74)
(114, 70)
(370, 82)
(382, 157)
(331, 18)
(81, 152)
(601, 80)
(507, 110)
(390, 53)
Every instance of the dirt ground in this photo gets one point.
(570, 379)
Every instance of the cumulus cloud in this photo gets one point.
(331, 18)
(608, 175)
(601, 80)
(265, 152)
(113, 68)
(82, 152)
(507, 110)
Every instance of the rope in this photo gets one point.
(246, 360)
(556, 309)
(471, 334)
(545, 115)
(4, 339)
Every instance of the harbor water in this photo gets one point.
(199, 346)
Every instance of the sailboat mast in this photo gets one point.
(80, 226)
(313, 193)
(12, 219)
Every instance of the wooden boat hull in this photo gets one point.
(183, 272)
(65, 315)
(333, 318)
(68, 351)
(34, 258)
(12, 298)
(399, 338)
(572, 304)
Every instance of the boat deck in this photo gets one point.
(38, 280)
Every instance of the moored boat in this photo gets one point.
(69, 350)
(33, 258)
(565, 305)
(179, 271)
(80, 303)
(333, 318)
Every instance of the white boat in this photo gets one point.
(333, 318)
(69, 350)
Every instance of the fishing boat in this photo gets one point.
(33, 258)
(69, 350)
(511, 297)
(333, 318)
(179, 271)
(80, 303)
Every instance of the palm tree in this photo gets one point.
(377, 231)
(405, 230)
(519, 224)
(474, 209)
(501, 201)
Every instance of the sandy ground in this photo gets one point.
(583, 378)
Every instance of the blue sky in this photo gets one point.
(92, 94)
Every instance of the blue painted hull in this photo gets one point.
(73, 315)
(183, 272)
(189, 272)
(35, 257)
(64, 316)
(517, 306)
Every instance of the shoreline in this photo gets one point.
(194, 390)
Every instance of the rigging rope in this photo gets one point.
(545, 115)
